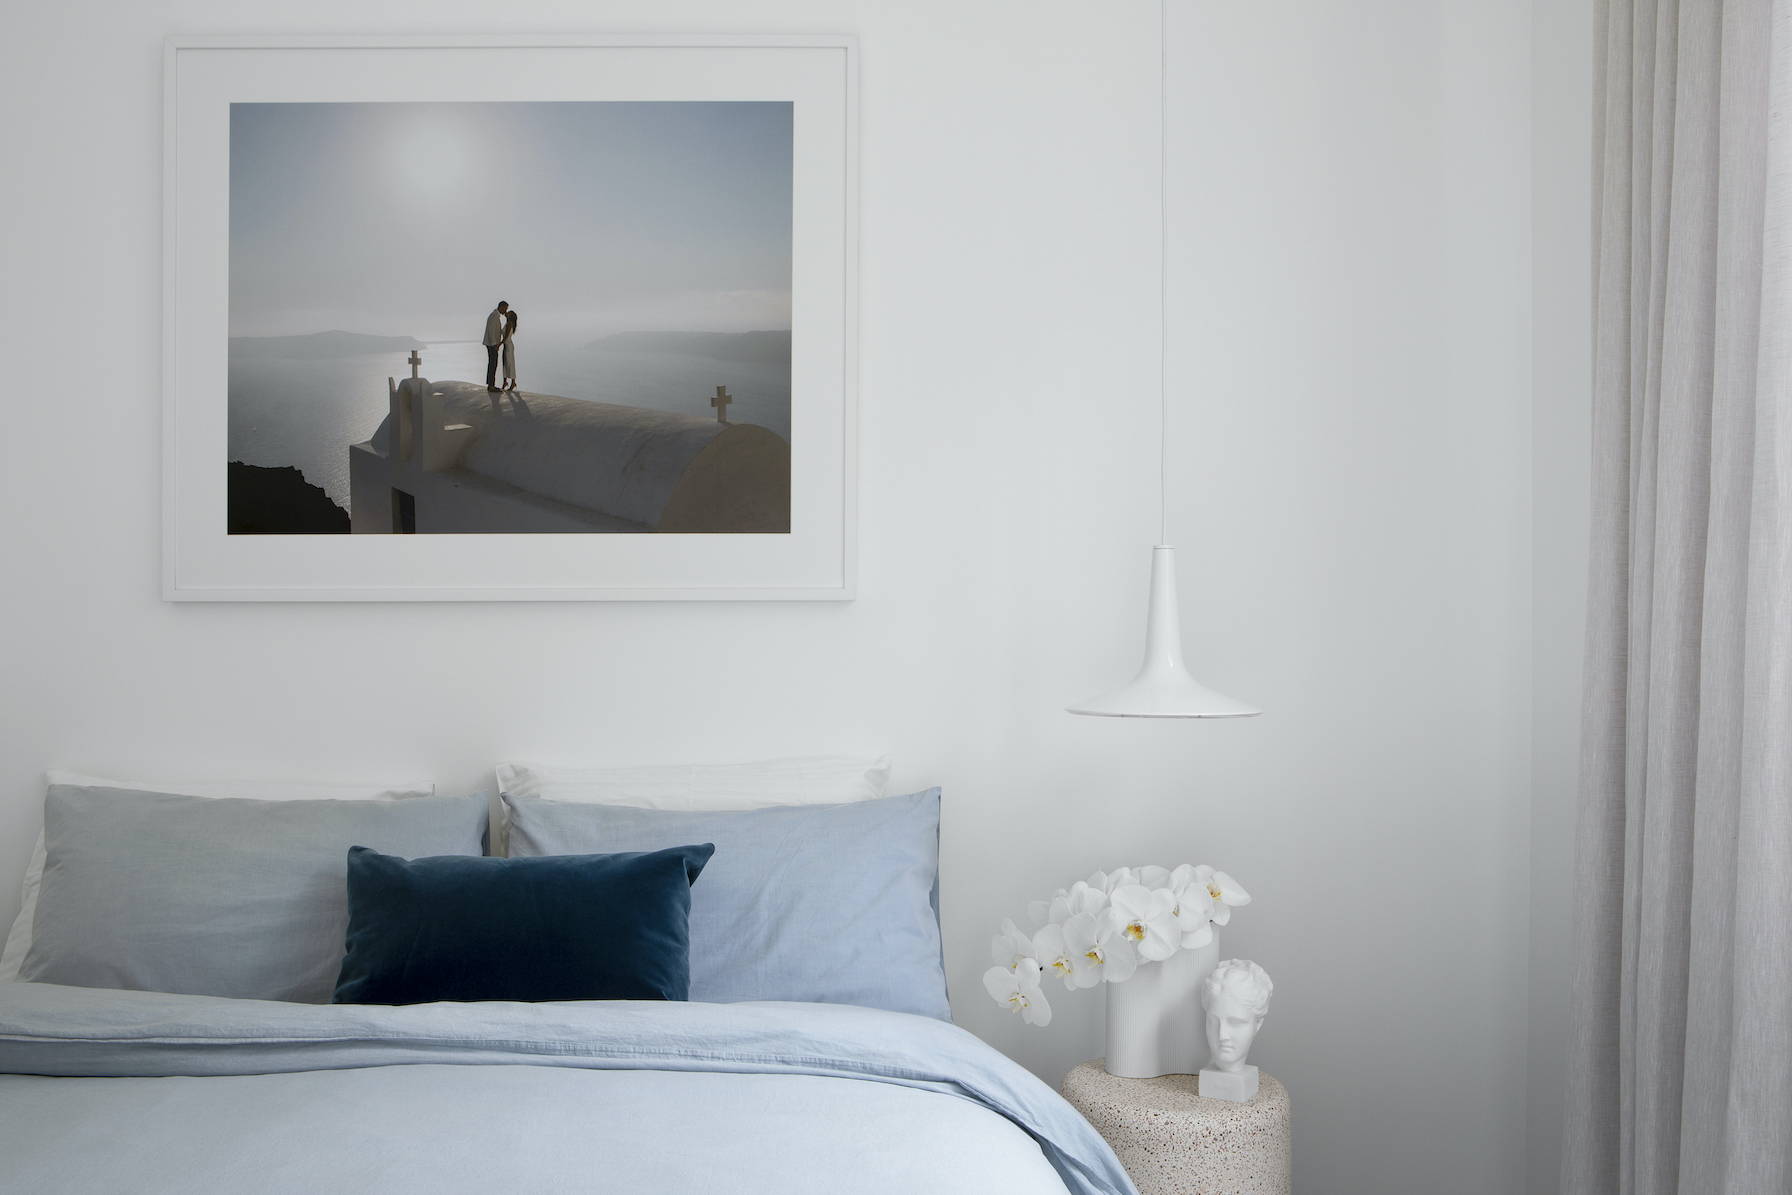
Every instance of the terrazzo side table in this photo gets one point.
(1173, 1142)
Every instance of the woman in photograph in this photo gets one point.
(510, 350)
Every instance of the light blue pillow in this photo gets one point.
(827, 903)
(214, 896)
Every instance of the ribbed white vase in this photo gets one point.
(1155, 1022)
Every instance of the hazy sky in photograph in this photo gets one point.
(590, 218)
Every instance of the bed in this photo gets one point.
(179, 1012)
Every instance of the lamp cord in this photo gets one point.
(1163, 271)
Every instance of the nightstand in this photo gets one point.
(1173, 1142)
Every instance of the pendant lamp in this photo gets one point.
(1163, 688)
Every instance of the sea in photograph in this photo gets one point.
(295, 405)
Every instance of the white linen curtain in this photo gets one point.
(1681, 1054)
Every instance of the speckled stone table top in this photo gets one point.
(1174, 1142)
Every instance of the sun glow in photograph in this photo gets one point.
(510, 317)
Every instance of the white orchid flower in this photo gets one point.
(1009, 946)
(1086, 899)
(1103, 882)
(1054, 956)
(1147, 918)
(1118, 878)
(1081, 898)
(1192, 910)
(1088, 955)
(1194, 907)
(1019, 990)
(1098, 950)
(1225, 892)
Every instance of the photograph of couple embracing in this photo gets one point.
(659, 343)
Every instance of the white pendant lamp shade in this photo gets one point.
(1163, 688)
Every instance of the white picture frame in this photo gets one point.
(815, 560)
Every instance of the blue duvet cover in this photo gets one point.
(136, 1091)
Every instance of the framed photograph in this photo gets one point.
(493, 318)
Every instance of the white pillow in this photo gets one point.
(806, 780)
(18, 941)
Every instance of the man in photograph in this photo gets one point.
(494, 339)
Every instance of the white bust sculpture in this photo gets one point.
(1236, 997)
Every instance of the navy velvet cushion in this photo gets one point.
(573, 927)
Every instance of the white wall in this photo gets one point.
(1351, 435)
(1562, 421)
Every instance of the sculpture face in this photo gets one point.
(1231, 1028)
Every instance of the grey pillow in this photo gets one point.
(216, 896)
(828, 903)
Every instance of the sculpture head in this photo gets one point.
(1236, 997)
